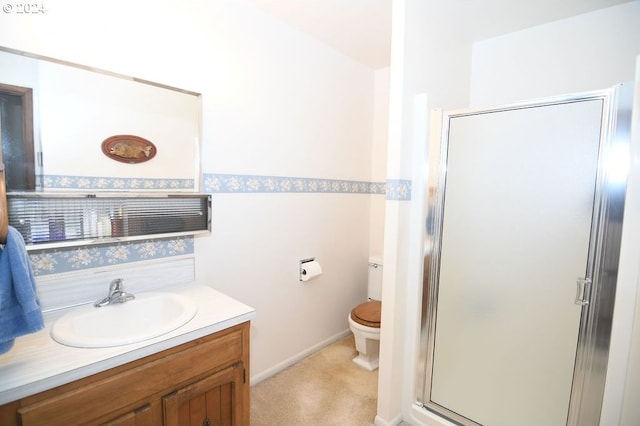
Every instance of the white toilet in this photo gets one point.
(364, 319)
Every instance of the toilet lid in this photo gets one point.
(367, 314)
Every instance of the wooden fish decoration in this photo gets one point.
(128, 149)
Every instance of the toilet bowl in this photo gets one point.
(364, 320)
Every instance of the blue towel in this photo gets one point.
(20, 311)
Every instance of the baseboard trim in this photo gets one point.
(254, 380)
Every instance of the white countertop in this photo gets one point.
(37, 363)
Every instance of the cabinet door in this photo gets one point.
(214, 400)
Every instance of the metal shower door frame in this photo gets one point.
(598, 293)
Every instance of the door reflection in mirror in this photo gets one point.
(16, 131)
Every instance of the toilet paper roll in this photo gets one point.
(310, 270)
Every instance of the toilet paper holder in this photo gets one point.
(302, 270)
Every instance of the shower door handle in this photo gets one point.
(581, 291)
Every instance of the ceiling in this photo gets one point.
(361, 29)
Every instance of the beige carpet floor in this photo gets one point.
(326, 388)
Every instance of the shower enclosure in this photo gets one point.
(523, 231)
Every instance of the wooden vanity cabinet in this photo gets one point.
(202, 382)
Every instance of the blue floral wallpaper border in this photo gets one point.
(394, 189)
(231, 183)
(398, 190)
(109, 183)
(55, 261)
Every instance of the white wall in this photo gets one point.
(426, 58)
(587, 52)
(379, 159)
(275, 102)
(630, 413)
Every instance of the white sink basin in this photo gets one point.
(147, 316)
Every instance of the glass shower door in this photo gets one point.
(514, 238)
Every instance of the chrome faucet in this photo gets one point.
(116, 294)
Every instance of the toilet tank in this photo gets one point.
(374, 288)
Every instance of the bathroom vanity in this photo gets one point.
(198, 374)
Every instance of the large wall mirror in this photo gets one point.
(75, 109)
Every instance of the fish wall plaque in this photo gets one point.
(128, 149)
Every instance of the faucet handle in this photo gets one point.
(116, 285)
